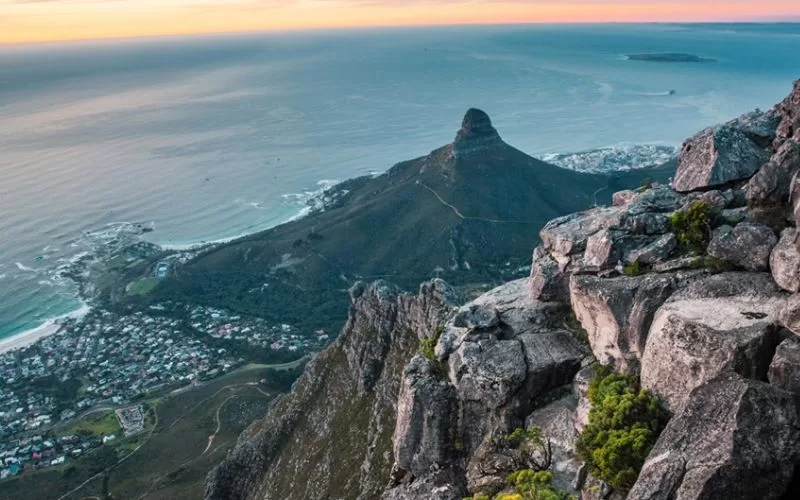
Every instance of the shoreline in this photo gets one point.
(51, 326)
(46, 329)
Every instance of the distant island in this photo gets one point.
(670, 58)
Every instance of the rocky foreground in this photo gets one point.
(692, 287)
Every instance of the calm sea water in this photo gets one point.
(208, 138)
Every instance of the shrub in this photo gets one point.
(428, 345)
(533, 485)
(635, 268)
(624, 423)
(692, 226)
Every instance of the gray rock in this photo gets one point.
(548, 278)
(678, 264)
(746, 245)
(622, 198)
(648, 213)
(759, 126)
(552, 361)
(789, 316)
(694, 339)
(568, 235)
(794, 196)
(770, 185)
(733, 216)
(607, 247)
(426, 413)
(655, 252)
(717, 156)
(735, 439)
(580, 388)
(713, 198)
(556, 422)
(477, 317)
(488, 371)
(434, 486)
(789, 111)
(785, 261)
(784, 371)
(617, 312)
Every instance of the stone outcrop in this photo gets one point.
(476, 134)
(717, 156)
(785, 261)
(784, 371)
(735, 438)
(789, 316)
(617, 314)
(747, 245)
(789, 111)
(726, 323)
(331, 409)
(426, 413)
(770, 185)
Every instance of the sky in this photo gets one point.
(24, 21)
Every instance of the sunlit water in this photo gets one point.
(208, 138)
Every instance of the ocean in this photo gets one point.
(207, 138)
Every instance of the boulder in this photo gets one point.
(655, 252)
(734, 439)
(705, 330)
(548, 279)
(785, 261)
(746, 245)
(715, 157)
(477, 317)
(770, 185)
(789, 316)
(617, 312)
(789, 111)
(784, 371)
(607, 247)
(426, 413)
(759, 126)
(552, 361)
(622, 198)
(568, 235)
(648, 213)
(488, 371)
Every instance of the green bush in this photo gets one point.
(527, 484)
(635, 268)
(428, 345)
(693, 226)
(624, 423)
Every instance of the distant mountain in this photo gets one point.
(469, 212)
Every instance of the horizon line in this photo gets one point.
(322, 29)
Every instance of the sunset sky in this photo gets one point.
(44, 20)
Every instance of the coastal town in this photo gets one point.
(106, 360)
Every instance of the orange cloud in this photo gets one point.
(40, 20)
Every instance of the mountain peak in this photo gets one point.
(476, 133)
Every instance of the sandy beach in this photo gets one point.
(32, 336)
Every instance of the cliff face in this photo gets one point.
(705, 312)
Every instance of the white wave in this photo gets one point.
(3, 276)
(23, 267)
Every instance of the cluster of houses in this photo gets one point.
(42, 452)
(102, 359)
(256, 332)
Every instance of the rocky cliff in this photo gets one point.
(692, 288)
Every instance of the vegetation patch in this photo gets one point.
(100, 424)
(143, 286)
(624, 423)
(635, 268)
(428, 345)
(693, 226)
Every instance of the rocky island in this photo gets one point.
(674, 311)
(670, 58)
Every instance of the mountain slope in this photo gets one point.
(468, 212)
